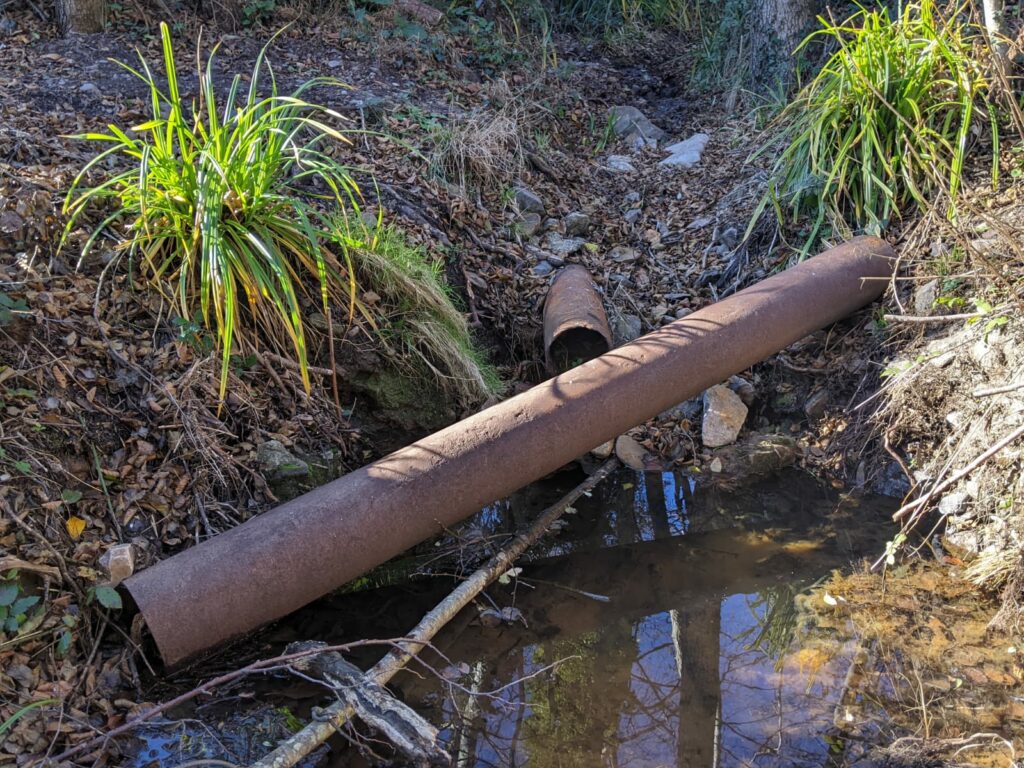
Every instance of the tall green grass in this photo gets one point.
(227, 207)
(886, 123)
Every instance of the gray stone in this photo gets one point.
(528, 201)
(729, 238)
(619, 164)
(743, 388)
(686, 154)
(278, 462)
(543, 269)
(632, 216)
(631, 122)
(925, 296)
(622, 254)
(576, 224)
(681, 313)
(7, 26)
(90, 91)
(555, 260)
(564, 246)
(816, 404)
(700, 222)
(528, 224)
(626, 328)
(953, 504)
(604, 450)
(724, 414)
(632, 197)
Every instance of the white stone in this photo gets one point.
(686, 154)
(724, 414)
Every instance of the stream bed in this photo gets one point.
(658, 627)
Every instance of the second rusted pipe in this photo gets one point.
(266, 568)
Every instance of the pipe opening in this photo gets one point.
(575, 346)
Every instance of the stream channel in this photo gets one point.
(660, 626)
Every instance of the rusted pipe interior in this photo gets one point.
(232, 583)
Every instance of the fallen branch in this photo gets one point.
(263, 665)
(998, 390)
(316, 733)
(906, 509)
(934, 318)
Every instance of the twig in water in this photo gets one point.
(316, 733)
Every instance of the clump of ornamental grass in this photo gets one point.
(414, 313)
(886, 123)
(227, 207)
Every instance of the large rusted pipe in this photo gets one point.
(575, 324)
(299, 551)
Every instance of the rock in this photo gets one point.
(700, 222)
(278, 462)
(771, 453)
(564, 246)
(89, 89)
(724, 414)
(334, 63)
(528, 224)
(623, 254)
(681, 313)
(543, 268)
(729, 238)
(716, 465)
(686, 154)
(631, 122)
(816, 404)
(7, 26)
(925, 296)
(630, 452)
(604, 450)
(953, 504)
(527, 201)
(894, 483)
(619, 164)
(626, 328)
(743, 388)
(576, 224)
(119, 562)
(633, 197)
(632, 216)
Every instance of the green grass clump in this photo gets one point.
(415, 314)
(228, 210)
(885, 124)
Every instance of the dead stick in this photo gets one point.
(316, 733)
(257, 666)
(998, 390)
(957, 476)
(933, 318)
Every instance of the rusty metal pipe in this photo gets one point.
(275, 563)
(575, 324)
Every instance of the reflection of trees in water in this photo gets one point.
(575, 709)
(775, 614)
(695, 640)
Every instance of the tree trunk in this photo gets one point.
(695, 637)
(776, 29)
(80, 15)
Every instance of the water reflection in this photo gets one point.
(698, 658)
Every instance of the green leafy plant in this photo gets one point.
(9, 308)
(885, 123)
(14, 604)
(226, 210)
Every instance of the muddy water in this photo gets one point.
(659, 627)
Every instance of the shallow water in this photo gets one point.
(659, 627)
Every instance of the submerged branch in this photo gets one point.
(313, 735)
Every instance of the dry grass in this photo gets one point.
(483, 150)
